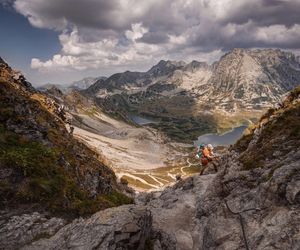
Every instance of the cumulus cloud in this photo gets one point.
(137, 31)
(101, 33)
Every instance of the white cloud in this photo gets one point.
(58, 62)
(137, 31)
(80, 55)
(279, 34)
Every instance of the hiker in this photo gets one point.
(207, 157)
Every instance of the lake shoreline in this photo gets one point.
(225, 139)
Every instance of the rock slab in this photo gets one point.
(123, 228)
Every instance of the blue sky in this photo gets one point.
(60, 41)
(20, 41)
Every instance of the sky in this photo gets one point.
(60, 41)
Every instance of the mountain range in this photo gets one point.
(185, 98)
(247, 78)
(76, 85)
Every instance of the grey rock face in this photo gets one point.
(16, 231)
(174, 210)
(125, 227)
(255, 77)
(268, 220)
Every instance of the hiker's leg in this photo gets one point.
(215, 166)
(203, 168)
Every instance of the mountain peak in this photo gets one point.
(165, 67)
(194, 65)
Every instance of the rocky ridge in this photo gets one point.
(252, 76)
(125, 227)
(44, 171)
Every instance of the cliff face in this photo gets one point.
(252, 203)
(254, 77)
(42, 167)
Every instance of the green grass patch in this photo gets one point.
(281, 134)
(43, 180)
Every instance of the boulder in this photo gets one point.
(18, 230)
(124, 227)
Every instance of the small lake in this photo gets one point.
(224, 139)
(140, 120)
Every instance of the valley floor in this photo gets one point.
(141, 155)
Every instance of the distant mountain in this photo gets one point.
(85, 82)
(231, 91)
(77, 85)
(48, 86)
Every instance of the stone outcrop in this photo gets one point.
(125, 227)
(174, 210)
(18, 230)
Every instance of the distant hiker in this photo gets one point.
(207, 157)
